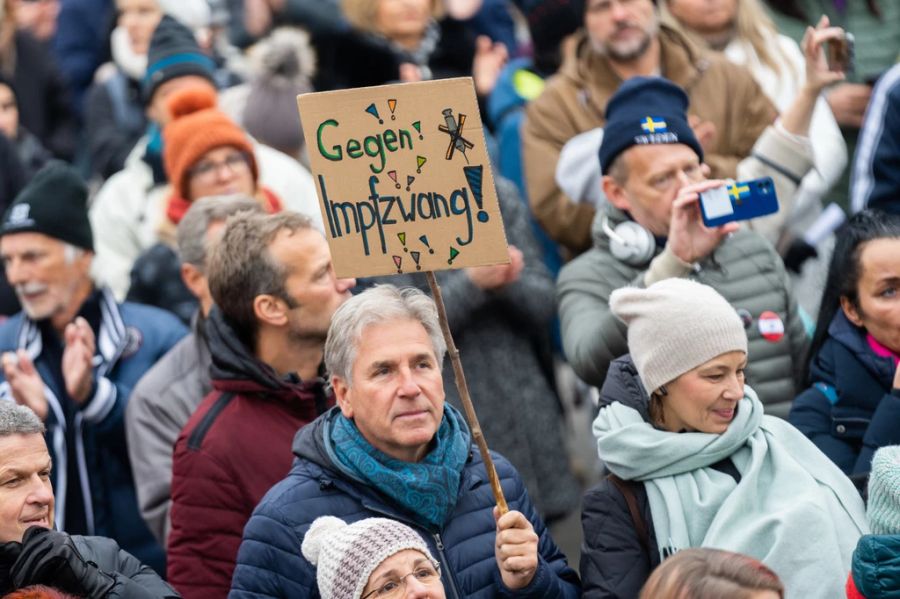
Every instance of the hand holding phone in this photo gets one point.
(736, 201)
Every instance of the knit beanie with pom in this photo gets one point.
(674, 326)
(284, 64)
(197, 127)
(345, 555)
(884, 492)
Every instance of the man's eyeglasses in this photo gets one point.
(426, 574)
(207, 169)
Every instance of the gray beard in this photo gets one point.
(641, 49)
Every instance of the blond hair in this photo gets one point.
(361, 13)
(752, 25)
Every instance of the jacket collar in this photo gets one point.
(309, 448)
(111, 339)
(680, 62)
(844, 332)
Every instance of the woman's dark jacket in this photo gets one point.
(353, 59)
(850, 410)
(115, 121)
(615, 561)
(43, 98)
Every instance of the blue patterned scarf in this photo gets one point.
(427, 489)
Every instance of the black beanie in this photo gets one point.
(53, 203)
(549, 23)
(646, 110)
(174, 52)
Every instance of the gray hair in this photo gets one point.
(71, 252)
(193, 245)
(374, 306)
(16, 419)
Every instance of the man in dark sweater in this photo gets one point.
(275, 291)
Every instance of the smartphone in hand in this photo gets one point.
(741, 200)
(840, 53)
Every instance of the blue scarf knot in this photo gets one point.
(428, 489)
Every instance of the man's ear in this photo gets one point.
(341, 395)
(850, 311)
(270, 310)
(615, 193)
(193, 280)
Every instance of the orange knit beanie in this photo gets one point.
(197, 127)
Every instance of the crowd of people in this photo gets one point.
(193, 404)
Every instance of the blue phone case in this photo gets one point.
(743, 200)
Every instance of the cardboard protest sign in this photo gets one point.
(403, 178)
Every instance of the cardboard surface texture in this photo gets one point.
(403, 178)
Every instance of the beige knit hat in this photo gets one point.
(674, 326)
(345, 555)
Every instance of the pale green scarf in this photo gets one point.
(794, 509)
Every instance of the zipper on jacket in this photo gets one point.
(446, 563)
(438, 541)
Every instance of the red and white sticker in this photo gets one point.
(771, 327)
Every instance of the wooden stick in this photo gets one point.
(460, 377)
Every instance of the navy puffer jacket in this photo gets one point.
(850, 410)
(270, 563)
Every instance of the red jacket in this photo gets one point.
(232, 450)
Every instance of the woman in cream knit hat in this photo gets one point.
(695, 463)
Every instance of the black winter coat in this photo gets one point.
(851, 408)
(353, 59)
(43, 98)
(132, 579)
(615, 562)
(115, 121)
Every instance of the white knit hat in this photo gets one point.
(674, 326)
(883, 507)
(345, 555)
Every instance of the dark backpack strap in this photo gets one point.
(626, 488)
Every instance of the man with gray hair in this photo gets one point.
(393, 448)
(275, 292)
(31, 551)
(73, 355)
(164, 399)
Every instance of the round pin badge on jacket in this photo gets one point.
(771, 327)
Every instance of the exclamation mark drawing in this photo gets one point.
(424, 240)
(392, 104)
(474, 177)
(453, 254)
(418, 127)
(420, 162)
(373, 110)
(415, 257)
(402, 238)
(393, 176)
(409, 181)
(398, 261)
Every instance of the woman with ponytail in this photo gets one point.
(852, 405)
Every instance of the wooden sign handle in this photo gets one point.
(469, 409)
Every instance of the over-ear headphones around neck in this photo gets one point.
(630, 242)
